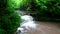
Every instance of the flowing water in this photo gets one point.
(29, 26)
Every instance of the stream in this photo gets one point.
(43, 28)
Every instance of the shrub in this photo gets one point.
(9, 20)
(45, 9)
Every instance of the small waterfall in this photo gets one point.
(27, 21)
(26, 24)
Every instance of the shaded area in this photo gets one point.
(45, 10)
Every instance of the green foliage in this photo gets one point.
(10, 23)
(25, 5)
(2, 31)
(14, 3)
(45, 9)
(9, 20)
(50, 10)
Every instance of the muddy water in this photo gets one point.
(45, 28)
(49, 27)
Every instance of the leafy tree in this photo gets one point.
(9, 20)
(44, 9)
